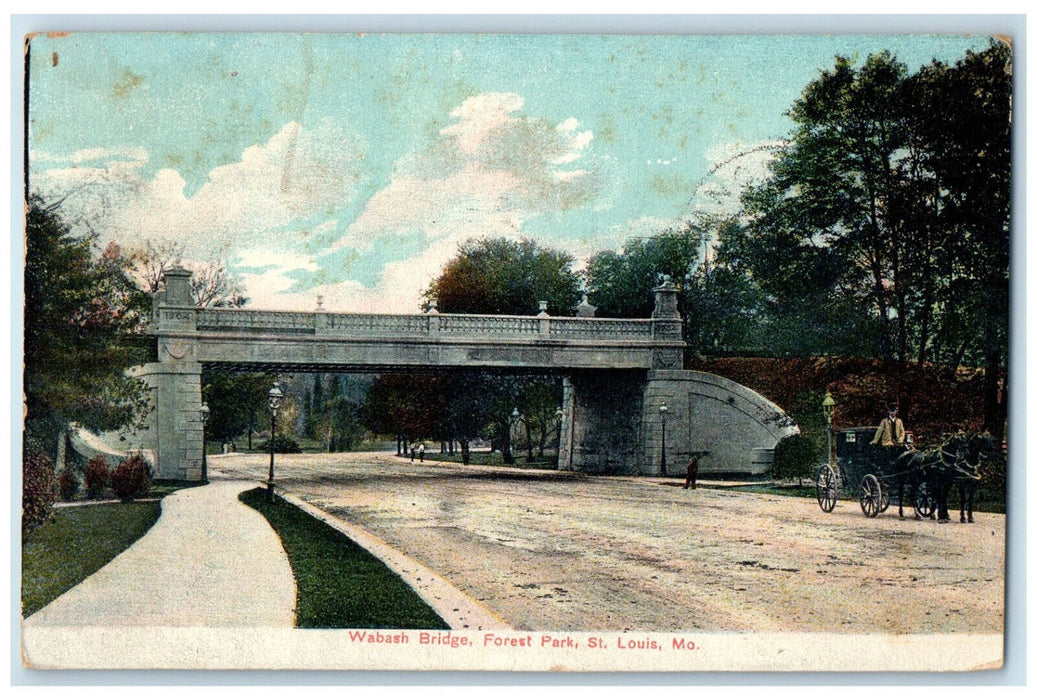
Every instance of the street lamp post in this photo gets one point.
(512, 430)
(205, 463)
(828, 409)
(663, 410)
(274, 398)
(558, 430)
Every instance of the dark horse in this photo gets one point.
(929, 474)
(979, 448)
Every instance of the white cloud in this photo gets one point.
(487, 172)
(479, 116)
(398, 290)
(491, 170)
(297, 173)
(269, 257)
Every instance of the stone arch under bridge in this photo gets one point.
(617, 373)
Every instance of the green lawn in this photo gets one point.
(807, 490)
(339, 584)
(74, 543)
(983, 503)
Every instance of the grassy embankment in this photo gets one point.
(74, 543)
(339, 584)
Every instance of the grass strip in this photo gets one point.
(74, 543)
(338, 583)
(981, 504)
(495, 459)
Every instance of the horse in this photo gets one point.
(909, 467)
(979, 448)
(929, 474)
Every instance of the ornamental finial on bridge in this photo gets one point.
(665, 299)
(585, 309)
(177, 282)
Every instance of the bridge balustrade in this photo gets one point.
(418, 325)
(622, 329)
(231, 320)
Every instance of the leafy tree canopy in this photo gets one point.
(83, 322)
(501, 276)
(891, 197)
(885, 219)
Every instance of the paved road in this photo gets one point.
(550, 550)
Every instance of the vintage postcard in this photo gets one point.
(516, 352)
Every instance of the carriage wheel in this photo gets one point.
(925, 503)
(871, 496)
(885, 499)
(827, 488)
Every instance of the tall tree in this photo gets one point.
(317, 409)
(500, 276)
(886, 218)
(829, 206)
(83, 323)
(237, 404)
(406, 406)
(538, 406)
(620, 284)
(336, 416)
(717, 298)
(964, 123)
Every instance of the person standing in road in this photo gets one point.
(693, 472)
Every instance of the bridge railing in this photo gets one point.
(416, 325)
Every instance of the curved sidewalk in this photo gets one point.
(209, 561)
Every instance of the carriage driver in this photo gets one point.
(891, 431)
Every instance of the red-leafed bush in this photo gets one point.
(132, 478)
(37, 490)
(68, 484)
(96, 477)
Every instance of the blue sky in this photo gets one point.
(352, 166)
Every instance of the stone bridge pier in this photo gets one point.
(174, 432)
(612, 424)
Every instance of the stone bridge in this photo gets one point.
(617, 374)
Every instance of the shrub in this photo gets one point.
(282, 445)
(96, 477)
(796, 457)
(37, 490)
(132, 478)
(68, 484)
(993, 486)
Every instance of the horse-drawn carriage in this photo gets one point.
(872, 473)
